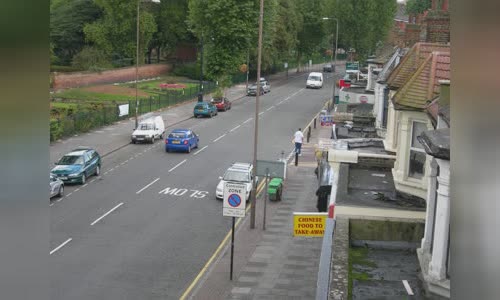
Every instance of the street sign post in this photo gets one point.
(234, 206)
(276, 168)
(352, 67)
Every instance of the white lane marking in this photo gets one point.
(60, 246)
(126, 161)
(110, 211)
(69, 194)
(106, 172)
(200, 150)
(261, 113)
(111, 169)
(407, 287)
(77, 190)
(219, 137)
(148, 185)
(92, 180)
(122, 163)
(60, 199)
(235, 128)
(51, 204)
(270, 108)
(85, 185)
(248, 120)
(177, 165)
(280, 102)
(131, 158)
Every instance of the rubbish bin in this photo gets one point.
(275, 189)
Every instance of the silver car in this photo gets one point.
(56, 186)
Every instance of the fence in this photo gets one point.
(85, 119)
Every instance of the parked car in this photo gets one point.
(237, 172)
(56, 186)
(148, 130)
(78, 165)
(315, 80)
(204, 109)
(181, 140)
(222, 104)
(328, 68)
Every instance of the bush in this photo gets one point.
(189, 70)
(56, 68)
(56, 130)
(91, 58)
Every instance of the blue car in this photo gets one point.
(181, 140)
(204, 109)
(78, 165)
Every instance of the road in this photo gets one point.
(148, 224)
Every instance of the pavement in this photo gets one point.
(271, 263)
(147, 226)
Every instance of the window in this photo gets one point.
(417, 153)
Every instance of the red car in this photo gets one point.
(222, 104)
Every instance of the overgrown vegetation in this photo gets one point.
(358, 256)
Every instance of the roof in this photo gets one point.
(424, 84)
(181, 130)
(383, 54)
(432, 110)
(436, 142)
(76, 153)
(444, 112)
(411, 62)
(389, 66)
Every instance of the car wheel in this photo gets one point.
(61, 191)
(133, 142)
(249, 197)
(84, 178)
(153, 139)
(189, 149)
(98, 170)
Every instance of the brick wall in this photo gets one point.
(438, 27)
(79, 79)
(412, 34)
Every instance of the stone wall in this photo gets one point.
(340, 261)
(79, 79)
(375, 162)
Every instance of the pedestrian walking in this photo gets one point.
(298, 139)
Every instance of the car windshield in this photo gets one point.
(71, 160)
(253, 86)
(177, 135)
(314, 78)
(199, 106)
(236, 176)
(146, 126)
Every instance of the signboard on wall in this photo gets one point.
(123, 110)
(352, 67)
(309, 224)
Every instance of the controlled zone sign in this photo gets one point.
(309, 224)
(234, 203)
(326, 120)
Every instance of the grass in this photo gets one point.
(80, 94)
(63, 105)
(358, 256)
(155, 84)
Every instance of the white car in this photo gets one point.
(239, 173)
(314, 80)
(148, 130)
(56, 186)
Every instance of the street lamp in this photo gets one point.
(335, 57)
(137, 62)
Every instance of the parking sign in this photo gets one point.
(234, 204)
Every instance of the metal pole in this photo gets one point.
(335, 62)
(232, 252)
(201, 65)
(248, 68)
(259, 57)
(137, 68)
(266, 199)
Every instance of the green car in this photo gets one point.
(78, 165)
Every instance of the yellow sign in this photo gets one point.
(309, 224)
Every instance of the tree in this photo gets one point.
(226, 27)
(67, 19)
(115, 32)
(311, 33)
(416, 7)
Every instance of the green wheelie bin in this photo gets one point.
(275, 189)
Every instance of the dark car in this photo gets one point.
(222, 104)
(328, 68)
(181, 139)
(78, 165)
(204, 109)
(264, 88)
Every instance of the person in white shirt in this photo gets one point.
(298, 138)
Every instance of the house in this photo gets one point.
(434, 253)
(412, 84)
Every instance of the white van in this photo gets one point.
(315, 80)
(148, 130)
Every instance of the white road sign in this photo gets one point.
(234, 203)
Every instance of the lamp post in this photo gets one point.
(137, 62)
(200, 94)
(259, 57)
(335, 57)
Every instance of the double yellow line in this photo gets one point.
(260, 187)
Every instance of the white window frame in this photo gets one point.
(411, 148)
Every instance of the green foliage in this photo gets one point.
(67, 19)
(91, 58)
(311, 33)
(189, 70)
(84, 95)
(172, 26)
(218, 93)
(226, 27)
(415, 7)
(358, 256)
(115, 32)
(56, 130)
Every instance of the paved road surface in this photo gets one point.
(148, 224)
